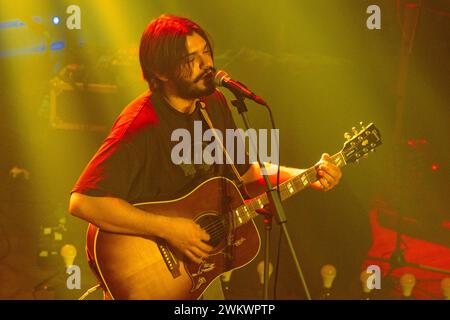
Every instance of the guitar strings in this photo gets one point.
(218, 236)
(218, 220)
(214, 223)
(210, 227)
(215, 230)
(222, 219)
(214, 227)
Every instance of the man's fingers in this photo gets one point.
(198, 253)
(192, 257)
(203, 246)
(325, 184)
(330, 169)
(204, 235)
(328, 178)
(325, 157)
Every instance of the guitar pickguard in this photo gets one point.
(197, 279)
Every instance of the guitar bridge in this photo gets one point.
(170, 260)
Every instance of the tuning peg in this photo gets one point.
(347, 136)
(361, 124)
(355, 131)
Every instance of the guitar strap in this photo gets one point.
(228, 252)
(202, 108)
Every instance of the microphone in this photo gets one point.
(222, 79)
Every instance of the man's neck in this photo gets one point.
(180, 104)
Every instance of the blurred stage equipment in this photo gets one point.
(409, 219)
(90, 97)
(411, 12)
(50, 242)
(68, 252)
(77, 105)
(16, 172)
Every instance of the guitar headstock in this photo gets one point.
(360, 143)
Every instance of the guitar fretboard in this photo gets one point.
(247, 212)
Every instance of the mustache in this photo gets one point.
(207, 72)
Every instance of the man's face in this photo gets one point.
(196, 78)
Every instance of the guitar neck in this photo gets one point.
(247, 212)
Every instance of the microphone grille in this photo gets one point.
(220, 77)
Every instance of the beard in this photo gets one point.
(194, 89)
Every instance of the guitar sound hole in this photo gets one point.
(215, 226)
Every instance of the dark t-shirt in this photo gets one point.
(134, 162)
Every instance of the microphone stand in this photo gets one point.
(274, 206)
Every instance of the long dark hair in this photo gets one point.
(163, 47)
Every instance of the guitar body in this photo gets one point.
(133, 267)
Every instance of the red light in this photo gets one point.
(434, 167)
(416, 142)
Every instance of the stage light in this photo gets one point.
(434, 167)
(55, 20)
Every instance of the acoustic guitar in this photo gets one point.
(133, 267)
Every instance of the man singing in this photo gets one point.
(134, 163)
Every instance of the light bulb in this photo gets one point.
(68, 253)
(260, 270)
(328, 273)
(407, 282)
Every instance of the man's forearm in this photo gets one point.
(254, 180)
(328, 176)
(117, 215)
